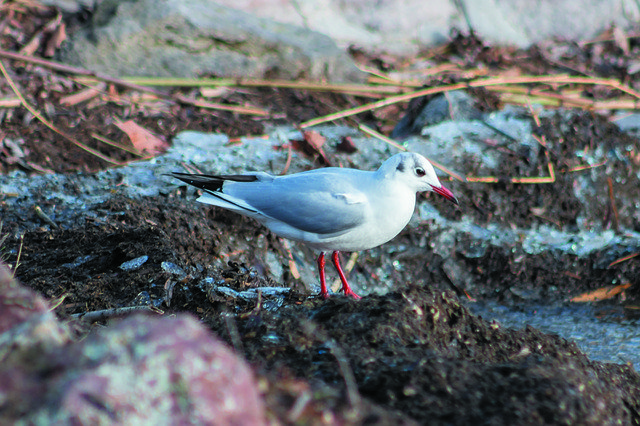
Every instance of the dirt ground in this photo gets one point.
(414, 356)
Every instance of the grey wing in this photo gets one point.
(322, 203)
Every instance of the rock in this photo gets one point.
(70, 6)
(406, 26)
(26, 320)
(142, 370)
(170, 38)
(456, 105)
(157, 370)
(28, 328)
(523, 23)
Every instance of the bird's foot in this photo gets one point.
(350, 293)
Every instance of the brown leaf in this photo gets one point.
(13, 150)
(142, 139)
(312, 144)
(83, 95)
(215, 92)
(390, 112)
(538, 211)
(603, 293)
(621, 39)
(347, 145)
(30, 48)
(10, 102)
(55, 41)
(314, 139)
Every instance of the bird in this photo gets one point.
(331, 209)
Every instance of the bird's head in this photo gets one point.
(416, 172)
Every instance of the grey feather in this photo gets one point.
(307, 201)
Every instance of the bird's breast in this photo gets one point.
(393, 214)
(385, 218)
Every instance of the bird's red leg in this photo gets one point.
(345, 285)
(323, 285)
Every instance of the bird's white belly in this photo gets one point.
(358, 239)
(376, 231)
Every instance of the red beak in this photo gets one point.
(446, 194)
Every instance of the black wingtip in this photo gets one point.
(210, 182)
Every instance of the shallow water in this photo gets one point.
(603, 332)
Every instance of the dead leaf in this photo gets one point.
(13, 150)
(56, 40)
(113, 94)
(347, 145)
(634, 67)
(83, 95)
(10, 102)
(30, 48)
(538, 211)
(390, 112)
(52, 25)
(603, 293)
(621, 39)
(313, 143)
(142, 139)
(215, 92)
(293, 268)
(314, 139)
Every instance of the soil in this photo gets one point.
(410, 356)
(414, 356)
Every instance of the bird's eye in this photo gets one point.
(420, 171)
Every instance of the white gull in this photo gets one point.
(330, 209)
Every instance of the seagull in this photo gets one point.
(331, 209)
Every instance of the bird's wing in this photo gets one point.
(213, 184)
(323, 202)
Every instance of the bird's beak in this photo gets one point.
(445, 193)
